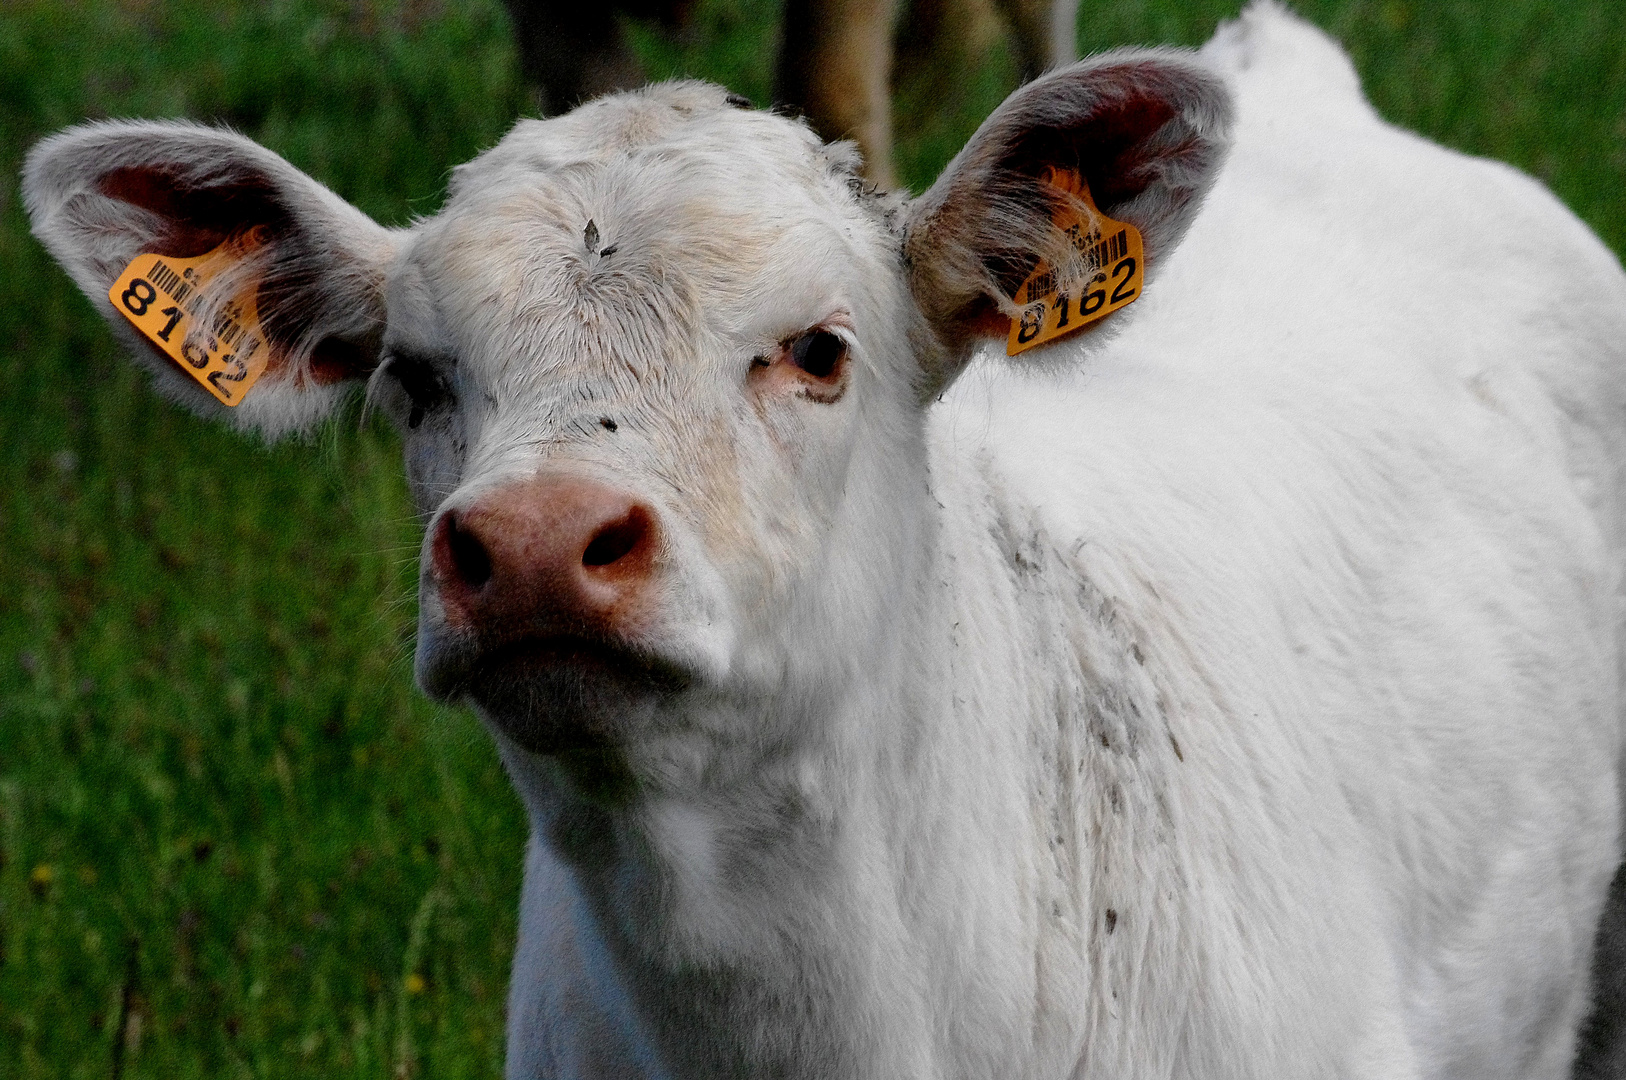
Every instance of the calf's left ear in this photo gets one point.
(313, 266)
(1146, 132)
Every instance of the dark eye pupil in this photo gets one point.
(817, 353)
(423, 387)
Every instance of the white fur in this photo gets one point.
(1237, 695)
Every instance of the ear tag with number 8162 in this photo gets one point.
(159, 294)
(1111, 260)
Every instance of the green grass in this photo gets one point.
(232, 838)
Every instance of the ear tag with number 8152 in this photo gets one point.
(1111, 264)
(159, 294)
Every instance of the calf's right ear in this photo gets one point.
(101, 194)
(1144, 130)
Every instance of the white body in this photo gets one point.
(1339, 513)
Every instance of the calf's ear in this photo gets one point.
(1145, 130)
(101, 194)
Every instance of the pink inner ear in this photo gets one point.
(1107, 147)
(1115, 172)
(199, 219)
(335, 361)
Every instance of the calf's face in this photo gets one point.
(636, 361)
(659, 367)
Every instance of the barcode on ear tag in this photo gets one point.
(1107, 275)
(159, 295)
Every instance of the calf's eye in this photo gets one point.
(819, 353)
(422, 384)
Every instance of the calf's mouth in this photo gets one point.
(554, 693)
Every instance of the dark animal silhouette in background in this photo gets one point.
(836, 59)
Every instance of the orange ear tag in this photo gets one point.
(1111, 260)
(159, 294)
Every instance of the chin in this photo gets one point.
(570, 696)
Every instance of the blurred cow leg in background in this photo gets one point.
(570, 51)
(836, 57)
(835, 61)
(1044, 33)
(835, 65)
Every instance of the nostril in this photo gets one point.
(618, 539)
(469, 556)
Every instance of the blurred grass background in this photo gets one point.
(233, 841)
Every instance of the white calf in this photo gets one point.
(1231, 689)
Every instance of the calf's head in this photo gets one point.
(659, 367)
